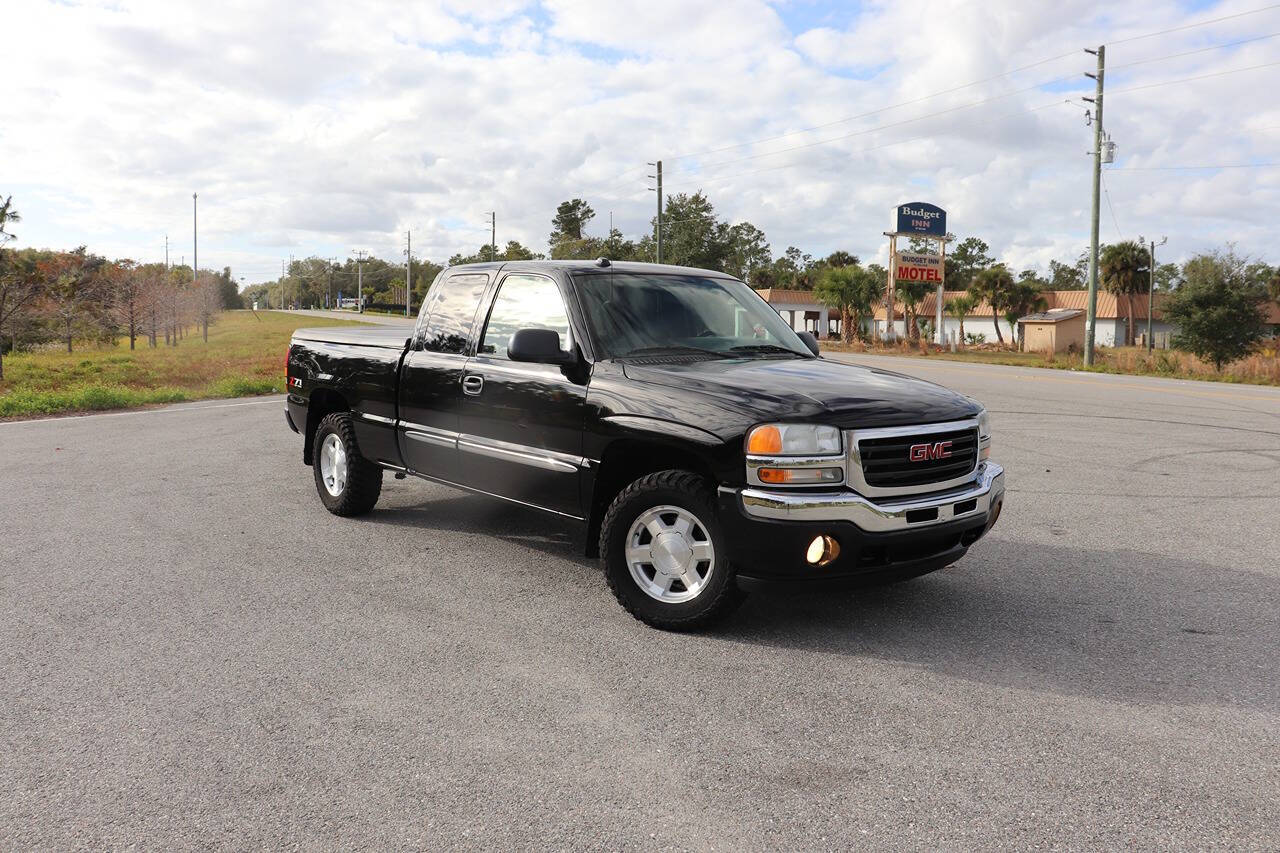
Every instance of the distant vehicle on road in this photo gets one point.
(705, 445)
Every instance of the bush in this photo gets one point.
(1217, 309)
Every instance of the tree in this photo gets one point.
(570, 221)
(20, 287)
(1217, 309)
(841, 258)
(1168, 276)
(1024, 297)
(746, 251)
(851, 290)
(123, 289)
(993, 284)
(965, 262)
(912, 293)
(1068, 276)
(1124, 269)
(960, 306)
(73, 288)
(515, 251)
(207, 301)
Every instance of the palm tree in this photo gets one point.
(1023, 298)
(1124, 268)
(993, 284)
(912, 294)
(851, 290)
(959, 308)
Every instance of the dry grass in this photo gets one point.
(1261, 368)
(244, 357)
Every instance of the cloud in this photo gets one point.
(343, 125)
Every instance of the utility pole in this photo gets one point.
(493, 235)
(283, 304)
(658, 239)
(408, 269)
(166, 251)
(195, 249)
(1151, 289)
(1092, 316)
(360, 254)
(328, 302)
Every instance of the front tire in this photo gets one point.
(664, 553)
(348, 483)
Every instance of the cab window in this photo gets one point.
(451, 310)
(524, 302)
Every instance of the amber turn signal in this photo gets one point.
(765, 439)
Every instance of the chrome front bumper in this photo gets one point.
(916, 511)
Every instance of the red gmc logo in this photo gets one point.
(925, 452)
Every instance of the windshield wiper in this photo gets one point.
(766, 348)
(673, 350)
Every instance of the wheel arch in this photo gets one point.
(626, 460)
(322, 403)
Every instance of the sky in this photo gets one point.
(324, 127)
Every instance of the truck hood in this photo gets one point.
(844, 395)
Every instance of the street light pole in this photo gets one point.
(1151, 290)
(1092, 316)
(360, 256)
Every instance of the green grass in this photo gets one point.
(1261, 368)
(244, 357)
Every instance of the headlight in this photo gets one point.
(984, 435)
(794, 440)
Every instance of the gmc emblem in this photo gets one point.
(925, 452)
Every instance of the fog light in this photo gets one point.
(822, 550)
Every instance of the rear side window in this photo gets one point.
(451, 310)
(524, 302)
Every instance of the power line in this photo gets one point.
(985, 80)
(1107, 193)
(931, 135)
(1192, 168)
(991, 99)
(1193, 26)
(881, 109)
(1189, 79)
(1193, 52)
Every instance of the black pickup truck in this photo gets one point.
(706, 446)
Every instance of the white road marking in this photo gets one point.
(163, 411)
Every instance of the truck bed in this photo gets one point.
(388, 337)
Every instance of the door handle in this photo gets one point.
(472, 384)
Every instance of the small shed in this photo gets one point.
(1055, 330)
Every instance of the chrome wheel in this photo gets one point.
(670, 554)
(333, 464)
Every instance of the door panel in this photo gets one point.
(431, 378)
(520, 423)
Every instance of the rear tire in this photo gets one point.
(348, 483)
(664, 554)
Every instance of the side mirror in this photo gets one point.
(538, 345)
(810, 341)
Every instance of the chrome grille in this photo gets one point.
(887, 462)
(881, 465)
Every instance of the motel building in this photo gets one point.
(805, 314)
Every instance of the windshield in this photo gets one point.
(638, 314)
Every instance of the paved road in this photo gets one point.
(194, 653)
(380, 319)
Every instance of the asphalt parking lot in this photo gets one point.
(194, 653)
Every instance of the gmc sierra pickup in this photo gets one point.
(706, 446)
